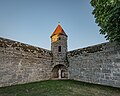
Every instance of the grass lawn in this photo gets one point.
(59, 88)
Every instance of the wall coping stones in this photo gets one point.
(108, 46)
(10, 44)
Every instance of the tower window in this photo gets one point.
(59, 38)
(59, 48)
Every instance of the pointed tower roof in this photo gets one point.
(59, 31)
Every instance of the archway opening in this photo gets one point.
(60, 72)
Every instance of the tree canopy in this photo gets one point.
(107, 14)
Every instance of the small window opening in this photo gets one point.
(59, 48)
(59, 38)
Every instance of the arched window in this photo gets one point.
(59, 48)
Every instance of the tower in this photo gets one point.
(59, 44)
(59, 50)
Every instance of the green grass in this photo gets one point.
(59, 88)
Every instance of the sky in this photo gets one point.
(33, 21)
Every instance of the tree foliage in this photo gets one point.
(107, 14)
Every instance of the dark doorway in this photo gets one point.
(60, 72)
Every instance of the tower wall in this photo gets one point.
(61, 41)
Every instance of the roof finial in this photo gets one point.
(58, 23)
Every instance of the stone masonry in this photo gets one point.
(22, 63)
(99, 64)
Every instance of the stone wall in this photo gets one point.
(22, 63)
(99, 64)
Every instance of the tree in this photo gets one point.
(107, 14)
